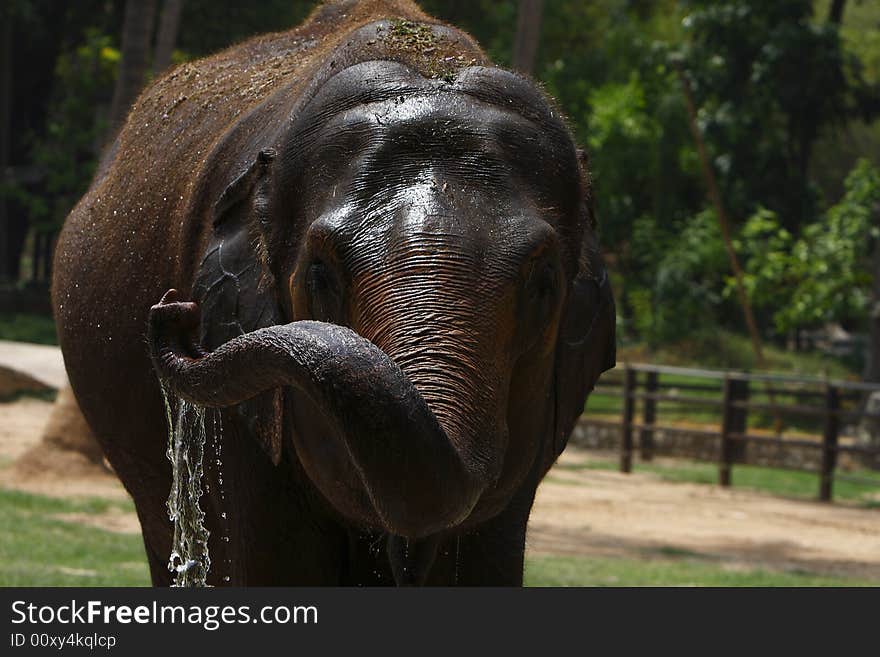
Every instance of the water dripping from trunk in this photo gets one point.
(217, 442)
(189, 560)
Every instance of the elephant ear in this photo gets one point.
(585, 344)
(235, 290)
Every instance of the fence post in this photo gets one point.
(629, 407)
(829, 443)
(646, 436)
(733, 421)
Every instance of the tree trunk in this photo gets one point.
(835, 11)
(167, 37)
(5, 122)
(528, 35)
(869, 427)
(872, 362)
(137, 28)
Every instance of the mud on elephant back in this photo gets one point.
(382, 306)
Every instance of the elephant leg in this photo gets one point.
(490, 554)
(157, 560)
(156, 531)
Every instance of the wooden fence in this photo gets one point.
(818, 407)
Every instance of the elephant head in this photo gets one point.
(409, 279)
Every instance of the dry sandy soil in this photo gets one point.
(578, 512)
(603, 513)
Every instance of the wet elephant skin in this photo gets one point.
(384, 279)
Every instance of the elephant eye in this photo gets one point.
(540, 297)
(541, 281)
(325, 298)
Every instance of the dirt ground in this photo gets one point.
(60, 475)
(603, 513)
(577, 512)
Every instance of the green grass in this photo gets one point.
(37, 549)
(773, 481)
(604, 404)
(668, 412)
(684, 569)
(722, 350)
(22, 327)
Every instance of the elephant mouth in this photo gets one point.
(417, 477)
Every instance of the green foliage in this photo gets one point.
(767, 246)
(623, 139)
(723, 349)
(768, 81)
(66, 150)
(22, 327)
(776, 87)
(491, 22)
(689, 280)
(859, 32)
(822, 276)
(211, 25)
(830, 259)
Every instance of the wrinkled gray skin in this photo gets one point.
(401, 308)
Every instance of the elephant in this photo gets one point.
(373, 255)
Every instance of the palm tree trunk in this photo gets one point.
(835, 11)
(167, 37)
(872, 362)
(137, 29)
(528, 35)
(5, 122)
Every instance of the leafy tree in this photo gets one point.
(768, 248)
(602, 61)
(211, 25)
(831, 259)
(824, 275)
(622, 138)
(768, 81)
(491, 22)
(690, 280)
(137, 30)
(41, 31)
(67, 150)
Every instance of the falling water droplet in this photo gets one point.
(217, 442)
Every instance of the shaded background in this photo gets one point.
(787, 95)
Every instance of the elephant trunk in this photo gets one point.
(414, 475)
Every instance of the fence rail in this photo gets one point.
(820, 405)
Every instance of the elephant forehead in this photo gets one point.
(425, 227)
(374, 81)
(437, 126)
(390, 118)
(479, 155)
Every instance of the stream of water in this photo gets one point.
(189, 560)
